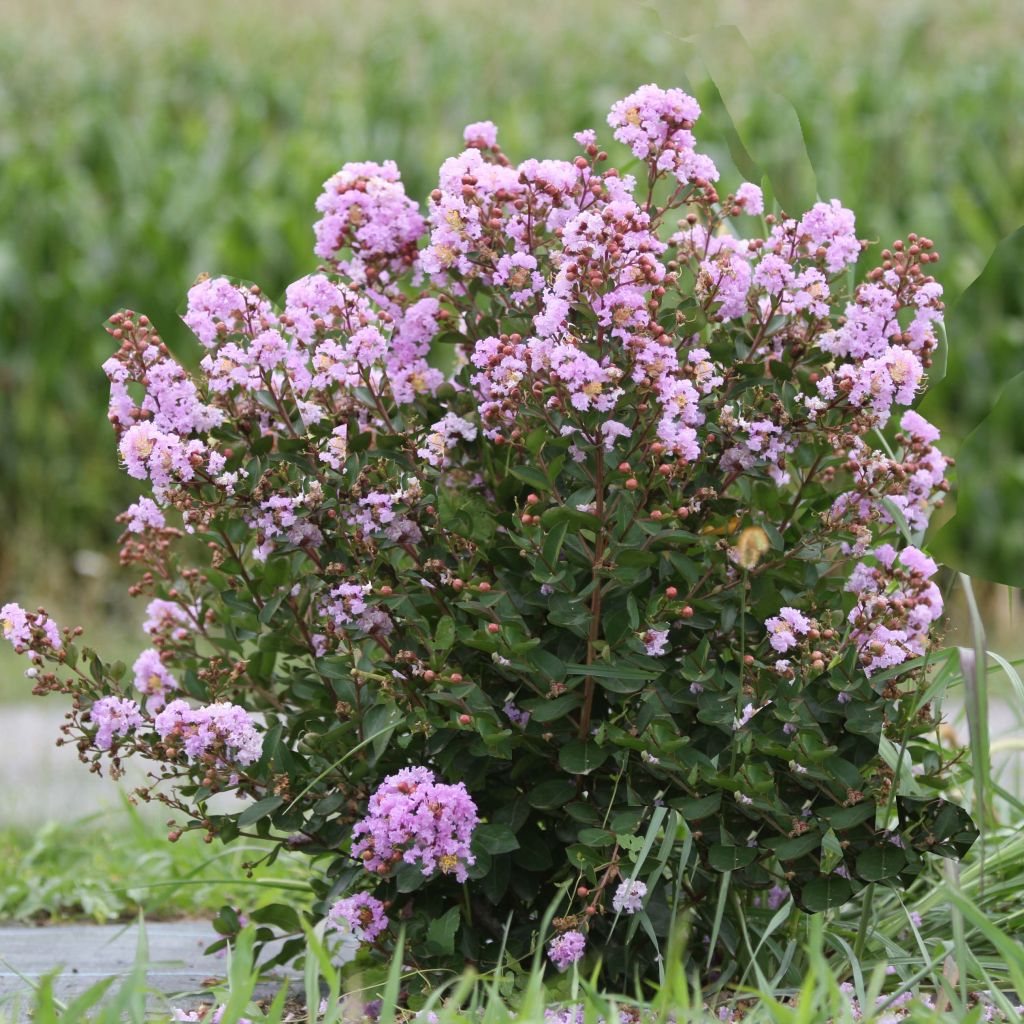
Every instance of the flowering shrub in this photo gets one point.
(554, 544)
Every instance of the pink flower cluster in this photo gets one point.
(785, 628)
(222, 732)
(29, 633)
(896, 605)
(169, 620)
(143, 515)
(345, 607)
(413, 818)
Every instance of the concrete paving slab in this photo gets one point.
(88, 953)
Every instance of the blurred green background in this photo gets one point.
(142, 143)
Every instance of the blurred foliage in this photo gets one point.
(985, 538)
(72, 869)
(145, 142)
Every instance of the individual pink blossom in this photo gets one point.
(335, 449)
(655, 642)
(785, 627)
(515, 715)
(363, 913)
(482, 134)
(725, 281)
(16, 625)
(145, 514)
(745, 716)
(168, 619)
(153, 679)
(629, 896)
(113, 717)
(29, 632)
(443, 437)
(567, 949)
(751, 198)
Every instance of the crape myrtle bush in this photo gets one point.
(552, 546)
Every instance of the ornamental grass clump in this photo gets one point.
(550, 544)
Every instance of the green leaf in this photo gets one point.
(694, 808)
(444, 635)
(553, 543)
(279, 914)
(791, 849)
(259, 810)
(543, 710)
(581, 757)
(573, 517)
(825, 894)
(731, 858)
(635, 559)
(441, 932)
(842, 818)
(495, 838)
(551, 794)
(617, 678)
(531, 475)
(596, 837)
(880, 863)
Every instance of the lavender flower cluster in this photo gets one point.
(413, 818)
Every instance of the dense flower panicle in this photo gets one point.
(161, 457)
(567, 949)
(896, 605)
(830, 226)
(366, 211)
(217, 306)
(345, 608)
(114, 717)
(414, 819)
(913, 483)
(655, 123)
(363, 913)
(222, 731)
(629, 897)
